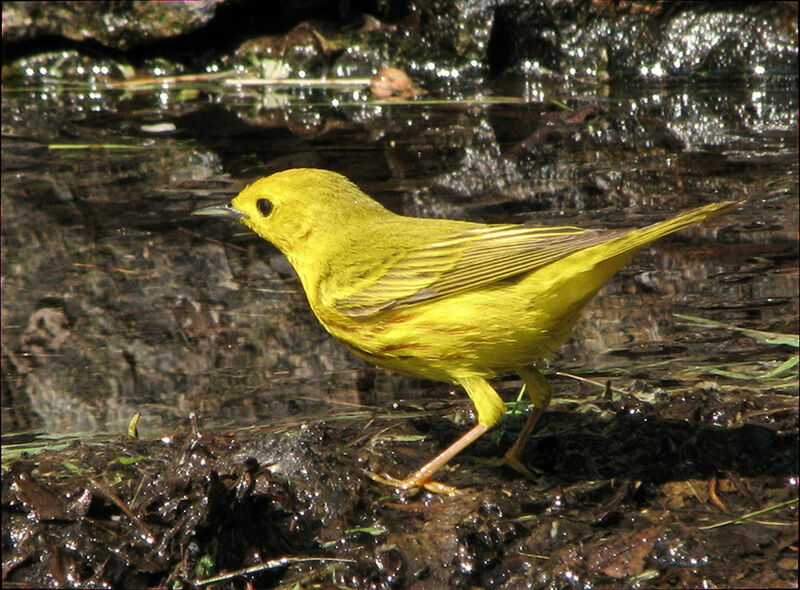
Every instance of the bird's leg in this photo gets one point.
(421, 477)
(540, 392)
(489, 407)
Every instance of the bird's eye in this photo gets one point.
(264, 207)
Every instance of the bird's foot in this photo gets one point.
(411, 484)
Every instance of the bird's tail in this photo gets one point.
(638, 238)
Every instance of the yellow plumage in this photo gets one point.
(452, 301)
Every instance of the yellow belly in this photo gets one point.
(481, 333)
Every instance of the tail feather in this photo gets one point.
(641, 237)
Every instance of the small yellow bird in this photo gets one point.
(452, 301)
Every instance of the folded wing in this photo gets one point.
(471, 260)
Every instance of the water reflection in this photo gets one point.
(115, 301)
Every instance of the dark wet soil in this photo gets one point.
(636, 496)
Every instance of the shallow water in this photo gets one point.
(116, 300)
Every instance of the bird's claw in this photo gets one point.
(411, 484)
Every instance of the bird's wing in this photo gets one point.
(475, 258)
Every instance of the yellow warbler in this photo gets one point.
(452, 301)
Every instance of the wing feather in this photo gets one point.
(475, 258)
